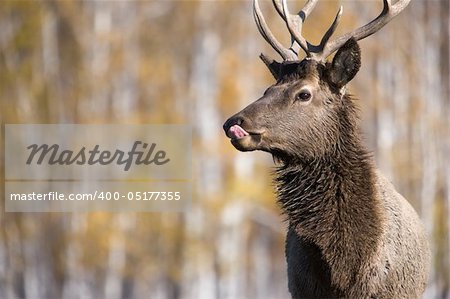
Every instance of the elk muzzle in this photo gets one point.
(242, 137)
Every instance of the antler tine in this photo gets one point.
(268, 36)
(279, 8)
(303, 13)
(331, 30)
(295, 23)
(387, 14)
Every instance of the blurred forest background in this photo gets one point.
(196, 62)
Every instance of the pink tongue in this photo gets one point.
(236, 132)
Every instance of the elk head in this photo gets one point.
(307, 112)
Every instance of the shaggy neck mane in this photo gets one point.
(330, 201)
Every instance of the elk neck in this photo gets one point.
(331, 201)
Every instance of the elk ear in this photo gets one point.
(346, 63)
(273, 66)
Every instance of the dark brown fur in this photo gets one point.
(350, 233)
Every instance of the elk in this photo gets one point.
(350, 234)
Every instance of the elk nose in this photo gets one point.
(234, 120)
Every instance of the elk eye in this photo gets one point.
(303, 95)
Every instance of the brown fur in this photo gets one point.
(351, 235)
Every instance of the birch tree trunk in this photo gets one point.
(76, 280)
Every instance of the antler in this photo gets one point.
(325, 48)
(387, 14)
(295, 23)
(294, 20)
(268, 36)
